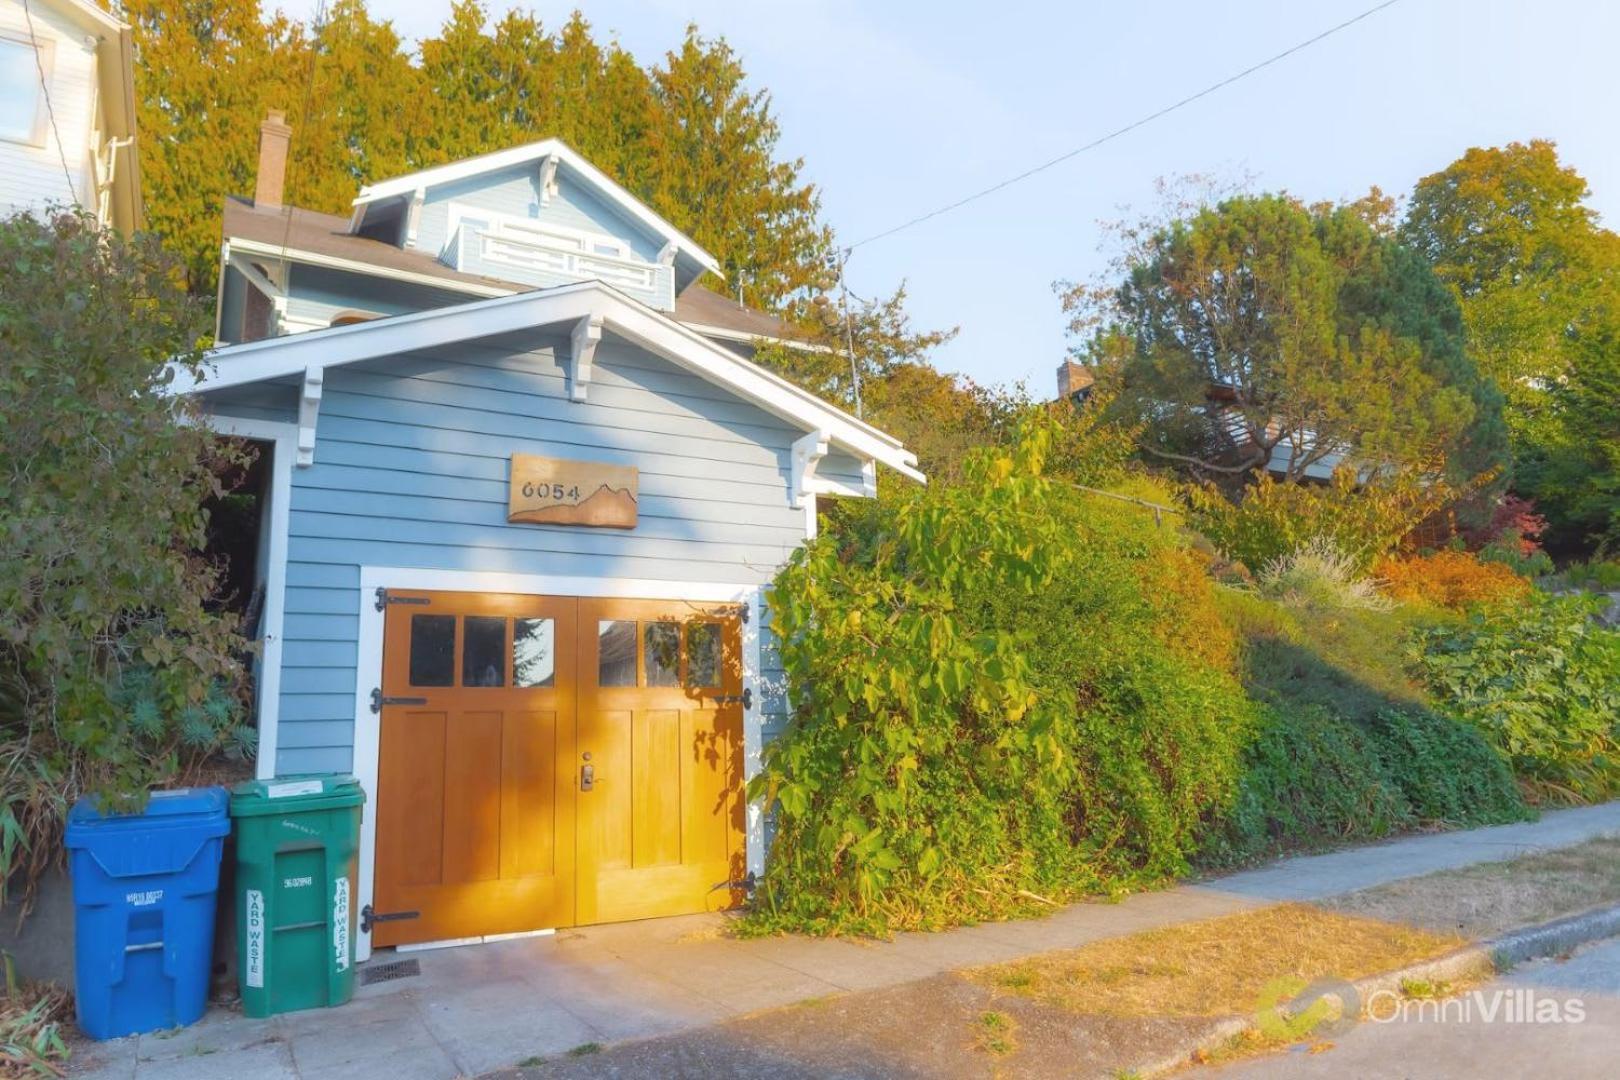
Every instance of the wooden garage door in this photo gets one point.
(660, 728)
(475, 809)
(551, 761)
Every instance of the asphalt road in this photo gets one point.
(1467, 1043)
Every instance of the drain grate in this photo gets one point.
(394, 969)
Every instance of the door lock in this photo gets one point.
(746, 698)
(587, 777)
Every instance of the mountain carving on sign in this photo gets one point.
(607, 507)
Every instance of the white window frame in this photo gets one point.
(44, 50)
(369, 667)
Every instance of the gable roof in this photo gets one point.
(566, 306)
(324, 239)
(632, 207)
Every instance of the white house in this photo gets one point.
(67, 111)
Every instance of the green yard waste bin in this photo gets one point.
(297, 847)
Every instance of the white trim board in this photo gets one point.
(284, 440)
(537, 152)
(272, 358)
(369, 661)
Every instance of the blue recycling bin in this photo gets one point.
(143, 898)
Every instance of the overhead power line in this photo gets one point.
(1128, 128)
(50, 110)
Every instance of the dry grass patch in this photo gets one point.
(996, 1033)
(1490, 898)
(1217, 967)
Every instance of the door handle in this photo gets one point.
(587, 777)
(746, 698)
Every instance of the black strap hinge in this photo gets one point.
(384, 598)
(378, 701)
(370, 917)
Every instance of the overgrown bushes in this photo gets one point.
(1272, 520)
(1006, 693)
(1452, 579)
(1349, 747)
(1541, 680)
(1309, 779)
(113, 668)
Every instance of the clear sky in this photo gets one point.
(897, 106)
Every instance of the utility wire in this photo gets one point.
(319, 28)
(1132, 126)
(50, 111)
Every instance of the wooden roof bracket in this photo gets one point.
(587, 334)
(808, 451)
(309, 411)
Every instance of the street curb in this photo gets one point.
(1481, 960)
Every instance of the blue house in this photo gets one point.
(525, 488)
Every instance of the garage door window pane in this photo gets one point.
(663, 653)
(703, 654)
(534, 652)
(616, 652)
(483, 651)
(433, 650)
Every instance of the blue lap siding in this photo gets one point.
(411, 466)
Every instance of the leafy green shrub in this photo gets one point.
(1309, 780)
(1319, 575)
(1273, 520)
(1601, 575)
(1541, 681)
(1509, 551)
(1444, 769)
(1005, 692)
(113, 668)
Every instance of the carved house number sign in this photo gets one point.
(555, 491)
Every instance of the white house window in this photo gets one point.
(22, 104)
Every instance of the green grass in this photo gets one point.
(1347, 661)
(585, 1049)
(996, 1033)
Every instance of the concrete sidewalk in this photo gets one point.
(480, 1008)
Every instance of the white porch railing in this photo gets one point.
(513, 251)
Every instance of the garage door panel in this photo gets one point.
(656, 825)
(411, 808)
(529, 794)
(472, 798)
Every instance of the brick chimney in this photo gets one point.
(1074, 380)
(274, 139)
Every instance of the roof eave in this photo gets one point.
(274, 358)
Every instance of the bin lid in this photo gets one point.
(291, 794)
(200, 808)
